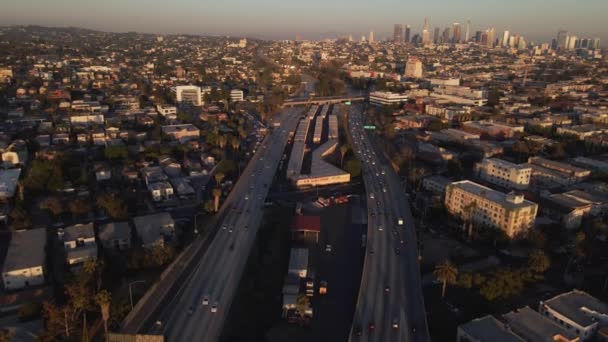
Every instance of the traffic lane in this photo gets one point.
(241, 185)
(341, 268)
(223, 246)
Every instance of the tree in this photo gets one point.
(209, 206)
(343, 150)
(216, 199)
(235, 142)
(353, 166)
(538, 261)
(302, 304)
(113, 206)
(446, 272)
(79, 207)
(469, 212)
(20, 218)
(219, 176)
(52, 204)
(103, 300)
(116, 152)
(465, 280)
(222, 140)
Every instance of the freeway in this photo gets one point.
(199, 307)
(390, 306)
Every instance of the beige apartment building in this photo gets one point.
(505, 174)
(510, 212)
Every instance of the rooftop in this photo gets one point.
(115, 231)
(533, 326)
(488, 328)
(578, 306)
(78, 231)
(491, 194)
(25, 250)
(308, 223)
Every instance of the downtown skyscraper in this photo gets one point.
(426, 35)
(457, 33)
(407, 38)
(398, 34)
(467, 34)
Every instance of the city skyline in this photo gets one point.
(267, 19)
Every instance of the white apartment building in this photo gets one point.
(505, 174)
(510, 213)
(461, 95)
(188, 94)
(577, 312)
(386, 98)
(413, 68)
(169, 112)
(236, 95)
(24, 263)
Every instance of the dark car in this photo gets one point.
(371, 327)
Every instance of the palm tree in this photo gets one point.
(468, 212)
(216, 199)
(221, 141)
(446, 272)
(219, 176)
(235, 142)
(103, 299)
(538, 261)
(343, 150)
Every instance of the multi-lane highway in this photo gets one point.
(390, 306)
(196, 312)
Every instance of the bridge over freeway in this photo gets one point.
(299, 101)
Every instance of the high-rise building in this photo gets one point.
(478, 37)
(594, 43)
(562, 37)
(371, 37)
(456, 33)
(436, 37)
(505, 39)
(398, 34)
(445, 37)
(490, 37)
(408, 33)
(426, 35)
(571, 42)
(521, 44)
(413, 68)
(467, 34)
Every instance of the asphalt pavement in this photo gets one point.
(390, 306)
(199, 307)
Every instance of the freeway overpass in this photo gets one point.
(300, 101)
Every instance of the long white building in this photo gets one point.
(386, 98)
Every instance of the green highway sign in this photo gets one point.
(372, 127)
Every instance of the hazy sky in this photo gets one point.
(536, 19)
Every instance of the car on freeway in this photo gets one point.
(358, 331)
(214, 307)
(190, 310)
(246, 197)
(395, 323)
(328, 247)
(371, 196)
(387, 289)
(371, 327)
(380, 228)
(397, 251)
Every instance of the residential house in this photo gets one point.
(79, 243)
(155, 229)
(115, 236)
(24, 264)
